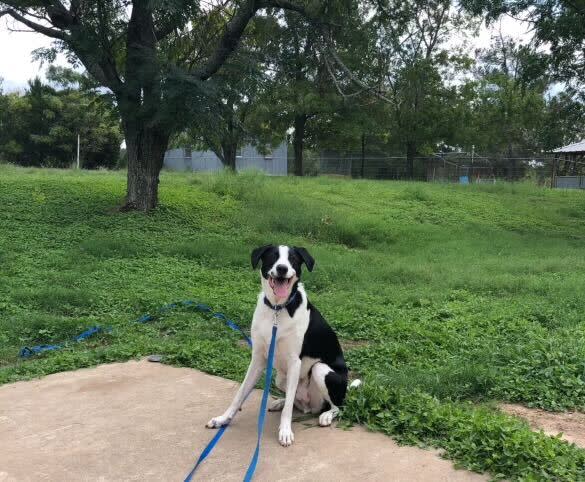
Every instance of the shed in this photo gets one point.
(569, 169)
(274, 162)
(577, 148)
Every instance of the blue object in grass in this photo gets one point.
(27, 352)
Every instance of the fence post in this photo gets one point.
(553, 173)
(363, 154)
(78, 143)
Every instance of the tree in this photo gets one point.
(136, 49)
(296, 98)
(413, 63)
(307, 96)
(564, 120)
(236, 107)
(40, 128)
(511, 100)
(557, 24)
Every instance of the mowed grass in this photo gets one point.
(447, 297)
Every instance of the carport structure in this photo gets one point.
(569, 166)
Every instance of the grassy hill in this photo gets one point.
(446, 297)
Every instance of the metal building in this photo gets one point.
(569, 167)
(274, 162)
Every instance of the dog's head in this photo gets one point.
(281, 269)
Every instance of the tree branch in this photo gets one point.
(235, 29)
(164, 32)
(229, 41)
(49, 32)
(283, 4)
(354, 77)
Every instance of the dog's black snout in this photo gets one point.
(281, 270)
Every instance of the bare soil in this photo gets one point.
(570, 424)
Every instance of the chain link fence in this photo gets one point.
(461, 167)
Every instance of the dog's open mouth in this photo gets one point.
(280, 286)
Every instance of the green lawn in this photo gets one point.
(446, 297)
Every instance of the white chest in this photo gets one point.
(290, 332)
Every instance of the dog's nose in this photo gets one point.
(281, 270)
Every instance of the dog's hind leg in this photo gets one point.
(331, 387)
(276, 405)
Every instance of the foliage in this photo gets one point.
(444, 296)
(40, 128)
(477, 438)
(237, 113)
(508, 110)
(391, 77)
(413, 65)
(558, 26)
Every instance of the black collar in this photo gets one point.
(282, 306)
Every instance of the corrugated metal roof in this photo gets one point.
(576, 147)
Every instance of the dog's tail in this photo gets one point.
(355, 384)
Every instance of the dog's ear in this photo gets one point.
(257, 254)
(306, 257)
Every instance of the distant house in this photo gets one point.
(273, 162)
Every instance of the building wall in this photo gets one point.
(570, 182)
(275, 163)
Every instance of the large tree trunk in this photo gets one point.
(299, 142)
(410, 158)
(229, 151)
(146, 150)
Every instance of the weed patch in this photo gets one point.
(445, 296)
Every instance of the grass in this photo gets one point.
(448, 297)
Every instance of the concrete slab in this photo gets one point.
(145, 421)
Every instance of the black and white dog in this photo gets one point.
(310, 367)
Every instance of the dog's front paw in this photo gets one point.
(217, 422)
(286, 436)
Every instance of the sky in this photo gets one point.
(17, 66)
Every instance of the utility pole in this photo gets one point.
(363, 154)
(78, 142)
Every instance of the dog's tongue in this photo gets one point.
(280, 289)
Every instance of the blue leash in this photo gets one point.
(262, 413)
(261, 419)
(27, 352)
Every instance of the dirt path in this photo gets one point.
(144, 421)
(570, 424)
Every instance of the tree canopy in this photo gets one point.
(394, 76)
(41, 127)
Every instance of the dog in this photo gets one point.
(309, 363)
